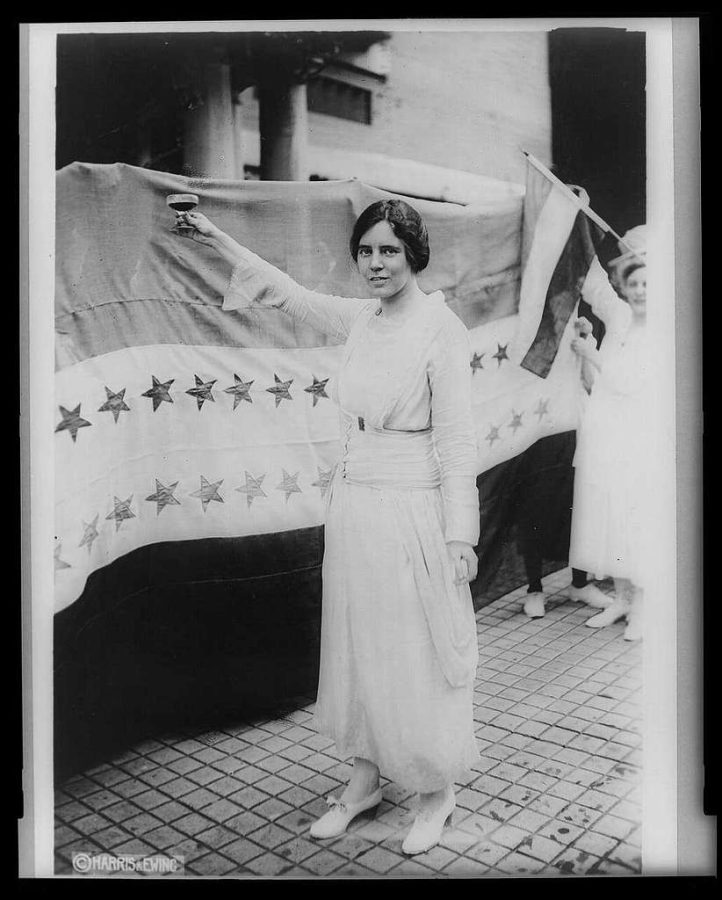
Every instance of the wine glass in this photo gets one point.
(182, 203)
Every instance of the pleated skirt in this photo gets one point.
(398, 637)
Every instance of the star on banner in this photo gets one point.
(317, 389)
(60, 563)
(159, 392)
(72, 421)
(500, 353)
(114, 403)
(163, 496)
(90, 533)
(239, 390)
(516, 421)
(288, 485)
(476, 362)
(208, 491)
(324, 480)
(202, 391)
(280, 389)
(542, 408)
(252, 488)
(493, 435)
(121, 511)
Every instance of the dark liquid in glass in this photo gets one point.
(182, 207)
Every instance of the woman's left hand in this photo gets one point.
(464, 561)
(585, 347)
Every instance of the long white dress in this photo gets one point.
(398, 637)
(610, 480)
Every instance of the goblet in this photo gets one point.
(182, 203)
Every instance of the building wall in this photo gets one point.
(466, 100)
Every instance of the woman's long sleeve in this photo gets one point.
(454, 432)
(255, 281)
(606, 304)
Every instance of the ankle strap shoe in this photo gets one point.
(426, 831)
(335, 822)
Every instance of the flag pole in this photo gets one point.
(540, 167)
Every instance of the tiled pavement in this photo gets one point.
(557, 788)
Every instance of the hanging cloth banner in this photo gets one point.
(177, 421)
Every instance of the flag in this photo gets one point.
(559, 243)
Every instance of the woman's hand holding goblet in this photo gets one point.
(200, 229)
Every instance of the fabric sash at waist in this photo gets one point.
(401, 460)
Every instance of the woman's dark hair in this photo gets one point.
(632, 267)
(406, 224)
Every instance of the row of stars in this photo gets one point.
(159, 393)
(209, 492)
(542, 409)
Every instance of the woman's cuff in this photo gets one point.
(462, 523)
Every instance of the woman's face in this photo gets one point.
(382, 262)
(635, 291)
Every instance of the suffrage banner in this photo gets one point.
(193, 446)
(179, 422)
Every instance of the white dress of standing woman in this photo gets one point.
(398, 633)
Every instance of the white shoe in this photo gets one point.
(633, 631)
(591, 595)
(426, 831)
(534, 605)
(336, 820)
(618, 610)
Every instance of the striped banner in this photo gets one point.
(177, 420)
(193, 446)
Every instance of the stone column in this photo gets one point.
(283, 122)
(209, 139)
(238, 154)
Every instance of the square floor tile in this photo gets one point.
(192, 824)
(298, 821)
(111, 837)
(163, 837)
(139, 825)
(241, 850)
(270, 836)
(560, 832)
(595, 843)
(148, 800)
(519, 864)
(184, 765)
(323, 863)
(574, 861)
(212, 864)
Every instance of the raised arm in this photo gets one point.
(454, 433)
(256, 281)
(604, 300)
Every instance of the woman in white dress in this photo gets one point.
(609, 483)
(398, 634)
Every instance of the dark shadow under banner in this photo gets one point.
(198, 633)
